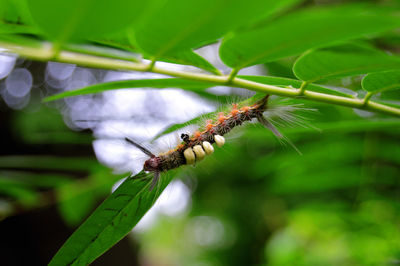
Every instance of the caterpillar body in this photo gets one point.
(195, 148)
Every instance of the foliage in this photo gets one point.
(316, 43)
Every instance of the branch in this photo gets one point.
(46, 53)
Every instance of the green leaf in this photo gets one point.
(178, 126)
(390, 104)
(140, 83)
(15, 12)
(7, 28)
(76, 19)
(390, 95)
(103, 51)
(298, 32)
(21, 40)
(187, 57)
(284, 82)
(276, 8)
(381, 81)
(280, 68)
(389, 40)
(178, 25)
(190, 58)
(119, 40)
(341, 61)
(111, 221)
(15, 18)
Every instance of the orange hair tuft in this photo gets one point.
(209, 125)
(180, 146)
(245, 109)
(221, 117)
(234, 110)
(197, 134)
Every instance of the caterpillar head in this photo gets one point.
(152, 164)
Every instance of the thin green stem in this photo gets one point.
(56, 50)
(303, 88)
(45, 53)
(368, 97)
(152, 64)
(232, 75)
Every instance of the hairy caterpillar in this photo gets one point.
(195, 148)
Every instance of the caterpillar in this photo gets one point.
(194, 149)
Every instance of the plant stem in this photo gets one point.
(368, 97)
(303, 87)
(152, 64)
(46, 53)
(232, 75)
